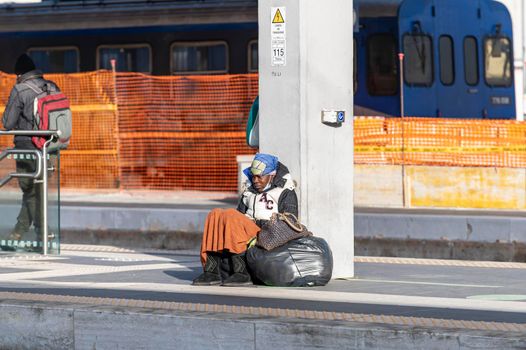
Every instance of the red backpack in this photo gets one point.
(51, 111)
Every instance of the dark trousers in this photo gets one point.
(31, 204)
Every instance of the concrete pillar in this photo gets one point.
(305, 67)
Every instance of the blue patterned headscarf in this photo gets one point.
(263, 164)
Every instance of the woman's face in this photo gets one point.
(261, 181)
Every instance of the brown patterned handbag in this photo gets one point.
(280, 229)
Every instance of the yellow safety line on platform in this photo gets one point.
(359, 259)
(97, 248)
(440, 262)
(111, 249)
(265, 311)
(21, 257)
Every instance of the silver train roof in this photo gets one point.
(377, 8)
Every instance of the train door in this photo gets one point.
(497, 61)
(460, 90)
(376, 88)
(416, 41)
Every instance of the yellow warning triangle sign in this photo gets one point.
(278, 18)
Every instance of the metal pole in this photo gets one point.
(117, 133)
(401, 60)
(43, 198)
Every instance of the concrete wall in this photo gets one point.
(440, 187)
(379, 186)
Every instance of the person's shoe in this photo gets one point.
(211, 275)
(240, 277)
(18, 232)
(15, 236)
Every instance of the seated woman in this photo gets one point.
(227, 231)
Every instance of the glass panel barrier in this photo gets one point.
(21, 205)
(53, 209)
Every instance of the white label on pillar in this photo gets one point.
(278, 36)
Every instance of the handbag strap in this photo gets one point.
(296, 226)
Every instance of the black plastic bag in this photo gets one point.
(302, 262)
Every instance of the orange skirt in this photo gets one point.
(227, 229)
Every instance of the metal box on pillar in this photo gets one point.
(305, 111)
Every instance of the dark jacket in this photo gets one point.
(18, 114)
(288, 201)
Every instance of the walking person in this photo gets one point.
(19, 115)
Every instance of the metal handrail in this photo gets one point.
(30, 132)
(11, 176)
(42, 164)
(44, 198)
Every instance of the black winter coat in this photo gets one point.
(18, 114)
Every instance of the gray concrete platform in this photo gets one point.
(96, 297)
(186, 211)
(174, 220)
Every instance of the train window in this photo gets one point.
(128, 58)
(497, 61)
(381, 65)
(63, 59)
(447, 64)
(418, 59)
(199, 57)
(253, 56)
(471, 61)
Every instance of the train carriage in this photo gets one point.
(457, 58)
(457, 54)
(159, 37)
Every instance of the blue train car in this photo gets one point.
(457, 53)
(153, 37)
(457, 59)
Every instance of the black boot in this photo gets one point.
(211, 274)
(240, 277)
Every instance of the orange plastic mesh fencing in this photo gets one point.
(134, 131)
(7, 166)
(6, 83)
(183, 132)
(432, 141)
(91, 159)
